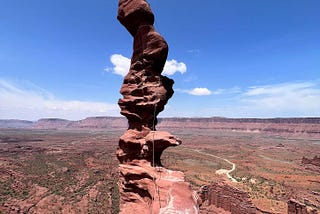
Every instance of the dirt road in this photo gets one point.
(221, 171)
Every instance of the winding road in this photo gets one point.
(221, 171)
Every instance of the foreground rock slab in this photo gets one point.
(147, 189)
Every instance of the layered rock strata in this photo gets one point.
(145, 186)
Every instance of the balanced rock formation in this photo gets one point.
(145, 186)
(145, 91)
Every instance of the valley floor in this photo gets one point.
(76, 171)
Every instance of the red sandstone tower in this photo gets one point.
(145, 186)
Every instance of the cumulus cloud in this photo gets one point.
(19, 102)
(200, 92)
(121, 65)
(172, 66)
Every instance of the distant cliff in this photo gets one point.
(50, 123)
(88, 123)
(291, 126)
(15, 123)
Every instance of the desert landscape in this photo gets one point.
(61, 166)
(241, 136)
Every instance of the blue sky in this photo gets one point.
(231, 58)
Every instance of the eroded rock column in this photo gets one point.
(145, 186)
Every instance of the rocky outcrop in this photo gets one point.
(145, 189)
(313, 161)
(295, 207)
(145, 186)
(312, 164)
(230, 199)
(220, 198)
(147, 145)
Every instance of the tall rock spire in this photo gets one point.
(145, 186)
(145, 91)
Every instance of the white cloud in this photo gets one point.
(121, 66)
(290, 99)
(280, 89)
(33, 103)
(205, 91)
(172, 66)
(299, 98)
(200, 92)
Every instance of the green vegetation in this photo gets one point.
(73, 166)
(8, 190)
(115, 197)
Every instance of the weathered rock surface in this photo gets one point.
(146, 189)
(145, 186)
(312, 164)
(295, 207)
(145, 91)
(134, 13)
(147, 145)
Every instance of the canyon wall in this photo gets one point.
(230, 199)
(222, 198)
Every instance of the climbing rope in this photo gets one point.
(156, 189)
